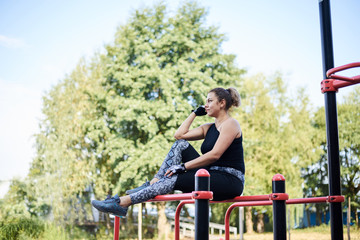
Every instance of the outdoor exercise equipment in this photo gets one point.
(279, 199)
(202, 197)
(329, 87)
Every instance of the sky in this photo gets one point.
(42, 41)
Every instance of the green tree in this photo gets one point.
(159, 68)
(349, 144)
(62, 169)
(109, 124)
(277, 138)
(14, 203)
(316, 173)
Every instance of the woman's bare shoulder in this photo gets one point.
(234, 126)
(232, 122)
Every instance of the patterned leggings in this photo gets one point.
(165, 184)
(223, 184)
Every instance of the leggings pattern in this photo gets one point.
(173, 157)
(165, 184)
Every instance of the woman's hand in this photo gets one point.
(175, 169)
(200, 111)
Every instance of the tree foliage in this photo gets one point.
(108, 125)
(277, 135)
(316, 173)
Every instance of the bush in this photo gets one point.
(14, 229)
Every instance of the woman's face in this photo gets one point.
(213, 106)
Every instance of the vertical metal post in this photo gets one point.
(140, 215)
(331, 123)
(241, 222)
(279, 208)
(116, 227)
(202, 183)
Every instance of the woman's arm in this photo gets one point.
(228, 133)
(229, 130)
(198, 133)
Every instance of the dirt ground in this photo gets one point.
(293, 236)
(298, 236)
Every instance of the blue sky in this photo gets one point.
(42, 41)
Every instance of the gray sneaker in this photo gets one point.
(145, 185)
(110, 205)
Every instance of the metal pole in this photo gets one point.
(116, 227)
(331, 123)
(241, 222)
(140, 215)
(279, 208)
(202, 183)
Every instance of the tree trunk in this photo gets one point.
(260, 226)
(249, 222)
(162, 224)
(129, 219)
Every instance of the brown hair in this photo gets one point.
(231, 96)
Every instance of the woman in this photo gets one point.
(222, 157)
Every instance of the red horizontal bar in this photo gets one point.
(307, 200)
(172, 197)
(245, 198)
(188, 196)
(250, 204)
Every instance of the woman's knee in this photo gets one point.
(181, 143)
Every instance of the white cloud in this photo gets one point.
(12, 42)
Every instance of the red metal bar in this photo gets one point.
(307, 200)
(279, 196)
(245, 199)
(290, 201)
(343, 78)
(240, 204)
(337, 81)
(241, 201)
(331, 199)
(116, 228)
(202, 195)
(177, 217)
(341, 68)
(332, 85)
(340, 84)
(172, 197)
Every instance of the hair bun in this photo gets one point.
(235, 97)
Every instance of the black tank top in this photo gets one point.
(233, 156)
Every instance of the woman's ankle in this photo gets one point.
(125, 201)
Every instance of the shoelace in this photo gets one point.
(108, 197)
